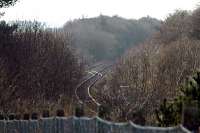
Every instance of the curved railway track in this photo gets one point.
(82, 91)
(91, 69)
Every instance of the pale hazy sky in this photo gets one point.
(57, 12)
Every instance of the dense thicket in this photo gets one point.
(37, 67)
(106, 37)
(155, 70)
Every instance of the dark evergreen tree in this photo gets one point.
(6, 3)
(170, 112)
(167, 114)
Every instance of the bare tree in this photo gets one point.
(41, 66)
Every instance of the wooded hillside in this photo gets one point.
(104, 37)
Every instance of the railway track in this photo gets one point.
(82, 91)
(92, 70)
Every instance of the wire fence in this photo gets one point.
(80, 125)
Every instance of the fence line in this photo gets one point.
(80, 125)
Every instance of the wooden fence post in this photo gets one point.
(34, 116)
(60, 113)
(45, 113)
(26, 116)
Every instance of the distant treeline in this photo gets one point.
(106, 37)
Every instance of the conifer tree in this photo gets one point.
(170, 112)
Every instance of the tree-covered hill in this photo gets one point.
(107, 37)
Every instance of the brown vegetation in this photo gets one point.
(38, 69)
(154, 70)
